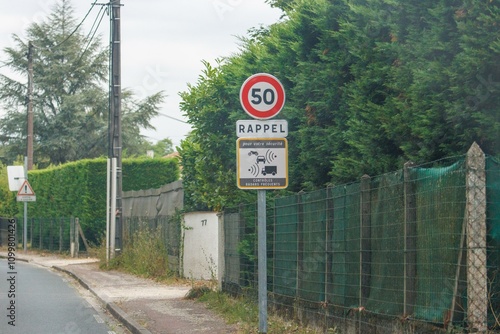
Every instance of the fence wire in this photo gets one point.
(169, 228)
(383, 253)
(48, 234)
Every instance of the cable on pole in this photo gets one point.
(72, 33)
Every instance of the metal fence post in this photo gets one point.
(77, 239)
(300, 245)
(32, 220)
(365, 241)
(221, 269)
(410, 249)
(72, 237)
(40, 238)
(241, 236)
(61, 221)
(477, 279)
(51, 235)
(329, 243)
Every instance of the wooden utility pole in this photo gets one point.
(115, 130)
(29, 121)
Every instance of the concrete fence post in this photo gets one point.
(221, 268)
(477, 279)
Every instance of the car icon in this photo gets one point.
(261, 158)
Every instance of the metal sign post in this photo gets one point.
(111, 209)
(26, 194)
(262, 158)
(262, 259)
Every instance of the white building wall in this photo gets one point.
(201, 245)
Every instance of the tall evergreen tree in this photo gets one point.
(70, 100)
(370, 85)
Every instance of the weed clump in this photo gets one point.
(144, 254)
(197, 292)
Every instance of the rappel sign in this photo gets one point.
(262, 159)
(262, 129)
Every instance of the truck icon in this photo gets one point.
(269, 170)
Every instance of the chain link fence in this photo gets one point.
(50, 234)
(415, 248)
(168, 228)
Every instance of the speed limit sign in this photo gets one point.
(262, 96)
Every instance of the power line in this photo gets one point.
(72, 33)
(175, 119)
(93, 31)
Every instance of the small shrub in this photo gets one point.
(197, 292)
(146, 254)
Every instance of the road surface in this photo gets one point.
(38, 300)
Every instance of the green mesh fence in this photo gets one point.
(312, 246)
(493, 223)
(51, 234)
(394, 245)
(240, 255)
(286, 246)
(387, 244)
(345, 245)
(440, 203)
(169, 228)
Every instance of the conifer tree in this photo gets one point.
(70, 96)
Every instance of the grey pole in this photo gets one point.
(262, 259)
(25, 224)
(115, 126)
(29, 136)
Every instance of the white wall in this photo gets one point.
(201, 245)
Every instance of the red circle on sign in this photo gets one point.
(259, 107)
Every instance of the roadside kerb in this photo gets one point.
(117, 312)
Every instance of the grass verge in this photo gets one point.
(244, 312)
(143, 255)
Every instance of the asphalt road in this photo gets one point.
(38, 300)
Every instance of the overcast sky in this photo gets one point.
(163, 42)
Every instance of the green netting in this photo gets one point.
(493, 221)
(231, 241)
(414, 261)
(285, 246)
(247, 246)
(345, 245)
(387, 244)
(440, 198)
(312, 246)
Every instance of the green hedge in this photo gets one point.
(78, 189)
